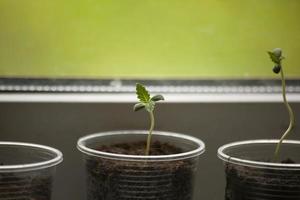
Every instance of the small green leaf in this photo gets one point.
(138, 106)
(276, 55)
(157, 98)
(142, 94)
(274, 58)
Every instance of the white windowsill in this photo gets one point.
(125, 98)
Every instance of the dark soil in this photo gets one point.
(25, 186)
(288, 161)
(138, 148)
(110, 179)
(267, 184)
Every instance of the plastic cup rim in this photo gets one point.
(258, 164)
(92, 152)
(34, 165)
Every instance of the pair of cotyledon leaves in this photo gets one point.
(146, 101)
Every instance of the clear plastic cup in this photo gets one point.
(251, 173)
(26, 170)
(118, 176)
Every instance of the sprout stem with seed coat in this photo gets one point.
(291, 115)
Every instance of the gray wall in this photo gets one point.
(61, 124)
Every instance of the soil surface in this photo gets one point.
(110, 179)
(288, 161)
(138, 148)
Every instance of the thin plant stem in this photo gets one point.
(291, 115)
(150, 133)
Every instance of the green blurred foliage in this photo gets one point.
(147, 38)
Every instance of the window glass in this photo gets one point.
(147, 38)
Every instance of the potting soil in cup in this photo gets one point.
(253, 183)
(25, 185)
(127, 180)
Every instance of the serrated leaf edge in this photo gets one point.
(142, 93)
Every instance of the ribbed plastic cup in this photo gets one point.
(251, 174)
(122, 177)
(26, 171)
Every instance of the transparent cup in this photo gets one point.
(118, 176)
(252, 174)
(26, 170)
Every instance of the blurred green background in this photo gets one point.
(147, 38)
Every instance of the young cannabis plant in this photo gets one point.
(147, 102)
(276, 57)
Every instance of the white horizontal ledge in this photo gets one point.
(125, 98)
(158, 88)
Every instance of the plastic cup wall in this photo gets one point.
(159, 177)
(26, 185)
(251, 174)
(26, 171)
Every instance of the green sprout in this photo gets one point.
(276, 57)
(147, 102)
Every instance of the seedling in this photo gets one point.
(147, 102)
(276, 57)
